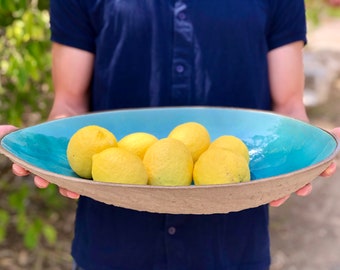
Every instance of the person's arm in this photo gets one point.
(71, 72)
(286, 76)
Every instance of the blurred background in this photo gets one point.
(305, 232)
(36, 226)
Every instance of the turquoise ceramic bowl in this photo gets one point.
(285, 154)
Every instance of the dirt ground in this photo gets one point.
(305, 232)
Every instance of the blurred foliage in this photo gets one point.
(318, 10)
(25, 99)
(25, 61)
(28, 212)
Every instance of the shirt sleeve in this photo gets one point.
(71, 25)
(287, 23)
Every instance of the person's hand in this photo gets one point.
(5, 129)
(19, 171)
(307, 189)
(42, 183)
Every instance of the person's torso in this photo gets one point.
(113, 238)
(179, 53)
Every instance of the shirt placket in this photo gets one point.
(176, 254)
(181, 87)
(182, 55)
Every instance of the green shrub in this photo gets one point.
(25, 99)
(25, 62)
(317, 10)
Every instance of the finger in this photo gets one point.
(330, 170)
(19, 171)
(5, 129)
(40, 182)
(68, 193)
(336, 132)
(279, 202)
(304, 191)
(72, 195)
(63, 191)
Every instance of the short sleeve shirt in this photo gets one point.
(151, 53)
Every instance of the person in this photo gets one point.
(129, 54)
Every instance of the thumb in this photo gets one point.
(336, 132)
(5, 129)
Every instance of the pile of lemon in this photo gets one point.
(186, 155)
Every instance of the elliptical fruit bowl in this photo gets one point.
(284, 155)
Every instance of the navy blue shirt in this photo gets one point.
(173, 53)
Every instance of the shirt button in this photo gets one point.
(181, 16)
(171, 230)
(179, 68)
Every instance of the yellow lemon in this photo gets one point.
(219, 166)
(137, 142)
(116, 165)
(168, 163)
(83, 144)
(194, 135)
(233, 144)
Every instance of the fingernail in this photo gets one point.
(72, 195)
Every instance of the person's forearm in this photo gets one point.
(65, 107)
(72, 72)
(296, 110)
(286, 76)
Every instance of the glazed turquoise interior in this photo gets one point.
(277, 144)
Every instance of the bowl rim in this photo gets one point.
(31, 167)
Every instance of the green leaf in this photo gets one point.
(17, 200)
(21, 221)
(32, 235)
(50, 234)
(4, 220)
